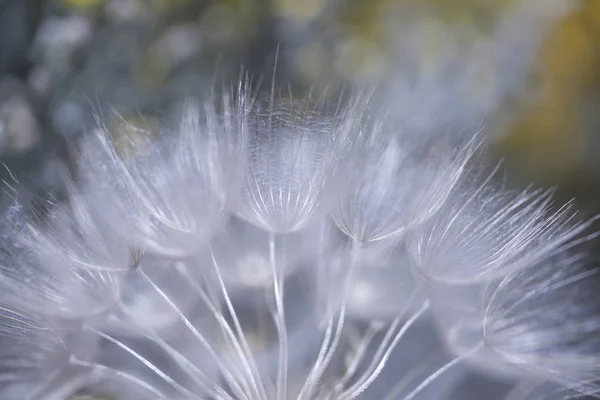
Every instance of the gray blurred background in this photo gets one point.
(528, 68)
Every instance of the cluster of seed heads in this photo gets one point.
(276, 248)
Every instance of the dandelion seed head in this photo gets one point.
(294, 168)
(400, 185)
(483, 232)
(151, 198)
(35, 349)
(64, 268)
(544, 319)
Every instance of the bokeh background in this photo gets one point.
(527, 72)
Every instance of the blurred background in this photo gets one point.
(526, 70)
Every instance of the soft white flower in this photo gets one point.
(400, 184)
(34, 354)
(170, 194)
(485, 231)
(545, 319)
(66, 266)
(142, 285)
(297, 158)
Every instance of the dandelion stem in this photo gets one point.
(104, 370)
(241, 349)
(278, 288)
(383, 346)
(183, 391)
(359, 354)
(327, 351)
(197, 335)
(256, 381)
(380, 359)
(425, 365)
(523, 390)
(42, 388)
(440, 372)
(194, 372)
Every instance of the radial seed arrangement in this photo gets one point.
(277, 248)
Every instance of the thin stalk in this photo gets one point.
(227, 375)
(194, 372)
(243, 352)
(256, 381)
(326, 352)
(359, 354)
(104, 370)
(278, 288)
(440, 372)
(423, 366)
(523, 390)
(180, 389)
(380, 361)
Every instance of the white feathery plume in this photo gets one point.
(400, 184)
(71, 236)
(168, 197)
(43, 360)
(484, 231)
(480, 236)
(31, 353)
(66, 266)
(296, 162)
(545, 319)
(37, 355)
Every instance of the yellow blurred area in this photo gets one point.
(92, 4)
(366, 47)
(364, 15)
(131, 132)
(83, 4)
(551, 141)
(305, 10)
